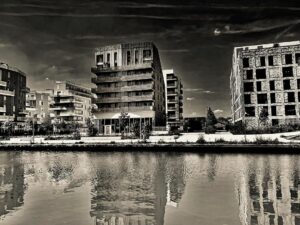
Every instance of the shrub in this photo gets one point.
(210, 130)
(220, 140)
(261, 141)
(201, 139)
(161, 141)
(76, 135)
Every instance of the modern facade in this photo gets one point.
(129, 79)
(266, 76)
(38, 105)
(174, 100)
(71, 102)
(12, 94)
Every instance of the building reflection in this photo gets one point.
(135, 189)
(11, 184)
(268, 191)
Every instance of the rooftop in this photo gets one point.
(11, 68)
(270, 45)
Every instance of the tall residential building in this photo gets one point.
(12, 94)
(38, 105)
(174, 99)
(71, 102)
(129, 79)
(266, 76)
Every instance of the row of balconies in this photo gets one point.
(126, 109)
(124, 99)
(102, 79)
(104, 69)
(7, 93)
(124, 89)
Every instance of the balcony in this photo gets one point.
(7, 93)
(123, 89)
(125, 109)
(103, 79)
(3, 83)
(58, 108)
(125, 99)
(3, 109)
(6, 118)
(106, 69)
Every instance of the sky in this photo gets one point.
(56, 40)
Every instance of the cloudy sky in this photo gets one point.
(55, 39)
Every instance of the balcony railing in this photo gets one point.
(123, 89)
(106, 69)
(7, 93)
(125, 109)
(3, 83)
(125, 99)
(119, 78)
(58, 108)
(6, 118)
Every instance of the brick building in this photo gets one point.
(174, 99)
(266, 76)
(12, 94)
(129, 79)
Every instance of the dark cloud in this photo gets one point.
(54, 39)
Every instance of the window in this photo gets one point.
(298, 84)
(249, 111)
(287, 71)
(245, 62)
(146, 54)
(248, 86)
(290, 110)
(249, 74)
(136, 56)
(108, 58)
(128, 58)
(260, 73)
(288, 59)
(262, 61)
(262, 99)
(273, 110)
(271, 60)
(273, 97)
(258, 86)
(115, 59)
(99, 58)
(286, 85)
(272, 85)
(291, 96)
(247, 99)
(297, 56)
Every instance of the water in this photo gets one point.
(147, 188)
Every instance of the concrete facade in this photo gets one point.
(129, 79)
(12, 94)
(38, 105)
(266, 76)
(71, 102)
(174, 99)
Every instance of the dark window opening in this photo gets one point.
(298, 96)
(115, 59)
(288, 59)
(245, 62)
(272, 85)
(287, 71)
(249, 74)
(260, 73)
(298, 84)
(273, 98)
(249, 111)
(146, 54)
(99, 58)
(271, 60)
(291, 97)
(273, 110)
(262, 61)
(258, 86)
(297, 56)
(248, 86)
(262, 99)
(128, 57)
(108, 57)
(290, 110)
(286, 85)
(247, 98)
(136, 56)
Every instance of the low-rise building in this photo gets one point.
(174, 100)
(12, 94)
(71, 103)
(130, 80)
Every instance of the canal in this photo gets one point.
(124, 188)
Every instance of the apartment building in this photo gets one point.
(266, 76)
(71, 102)
(12, 94)
(38, 105)
(129, 79)
(174, 100)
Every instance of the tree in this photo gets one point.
(91, 129)
(211, 120)
(264, 116)
(124, 117)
